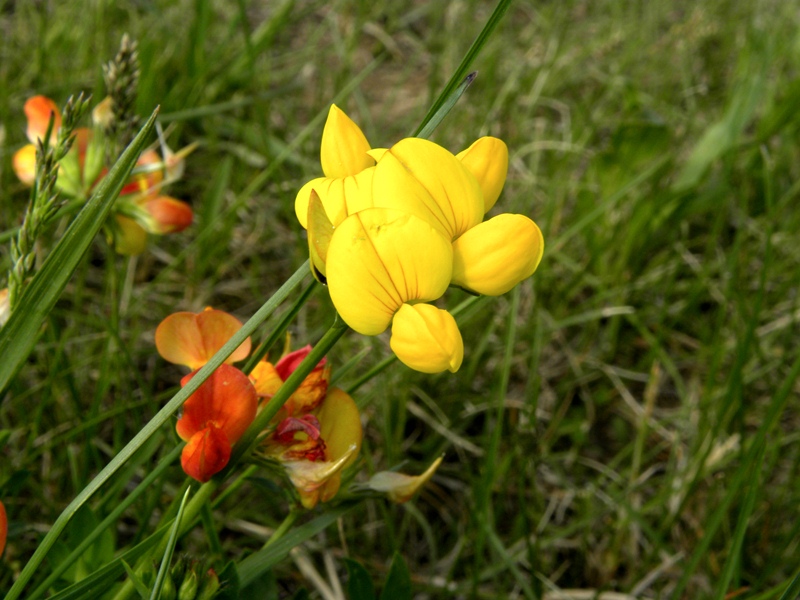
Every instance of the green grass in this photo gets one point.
(624, 421)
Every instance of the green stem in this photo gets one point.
(151, 427)
(285, 526)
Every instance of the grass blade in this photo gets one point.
(173, 539)
(19, 335)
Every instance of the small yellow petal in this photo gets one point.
(344, 147)
(130, 238)
(487, 160)
(24, 164)
(496, 255)
(400, 487)
(427, 339)
(320, 231)
(341, 196)
(422, 178)
(308, 477)
(380, 258)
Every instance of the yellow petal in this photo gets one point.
(344, 147)
(130, 238)
(24, 163)
(380, 258)
(308, 477)
(340, 196)
(400, 487)
(487, 160)
(427, 339)
(340, 427)
(320, 231)
(422, 178)
(265, 378)
(496, 255)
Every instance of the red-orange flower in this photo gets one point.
(38, 110)
(191, 339)
(214, 418)
(268, 379)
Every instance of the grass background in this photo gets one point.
(625, 421)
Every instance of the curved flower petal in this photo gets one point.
(309, 477)
(422, 178)
(320, 231)
(168, 214)
(340, 196)
(38, 110)
(24, 164)
(487, 160)
(400, 487)
(344, 147)
(265, 379)
(380, 258)
(289, 362)
(3, 527)
(227, 399)
(191, 339)
(130, 238)
(206, 453)
(427, 339)
(496, 255)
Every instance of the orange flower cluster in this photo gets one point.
(316, 434)
(141, 207)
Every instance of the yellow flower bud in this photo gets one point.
(487, 160)
(344, 147)
(427, 339)
(496, 255)
(380, 258)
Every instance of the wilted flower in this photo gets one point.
(400, 487)
(191, 339)
(214, 418)
(268, 379)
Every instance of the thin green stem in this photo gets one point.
(285, 526)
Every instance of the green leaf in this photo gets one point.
(163, 570)
(359, 583)
(463, 69)
(448, 104)
(137, 581)
(398, 582)
(255, 565)
(19, 335)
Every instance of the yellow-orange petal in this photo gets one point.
(38, 110)
(427, 339)
(265, 378)
(3, 527)
(227, 399)
(422, 178)
(496, 255)
(24, 164)
(168, 214)
(206, 454)
(344, 147)
(340, 196)
(487, 160)
(191, 339)
(400, 487)
(130, 238)
(380, 258)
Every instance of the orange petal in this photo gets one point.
(191, 339)
(170, 215)
(38, 110)
(3, 528)
(24, 163)
(205, 454)
(227, 400)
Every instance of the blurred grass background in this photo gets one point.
(625, 421)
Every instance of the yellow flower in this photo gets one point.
(427, 339)
(424, 179)
(378, 260)
(400, 487)
(487, 160)
(493, 257)
(347, 185)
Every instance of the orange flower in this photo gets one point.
(214, 418)
(316, 447)
(191, 339)
(268, 379)
(38, 110)
(3, 528)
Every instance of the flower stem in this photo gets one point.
(285, 526)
